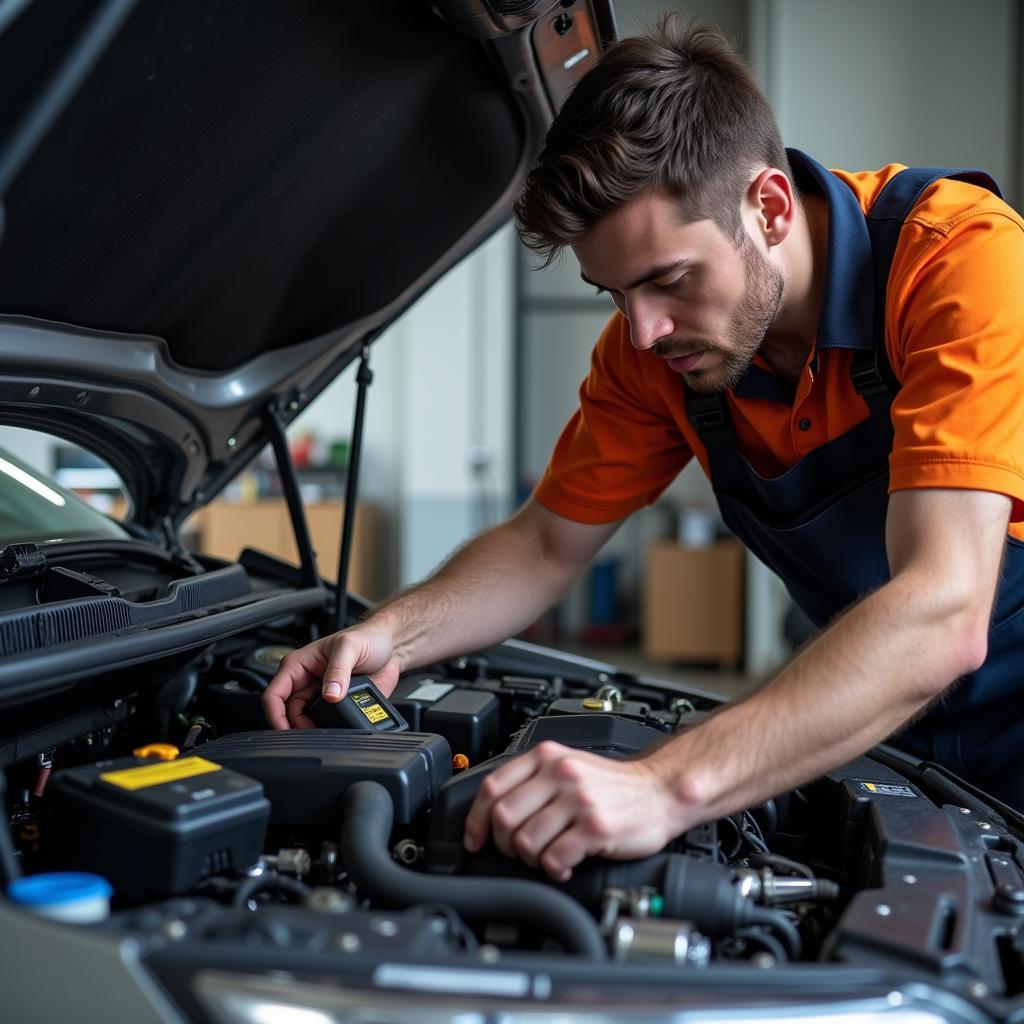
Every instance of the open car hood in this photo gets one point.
(209, 209)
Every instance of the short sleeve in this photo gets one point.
(622, 447)
(958, 322)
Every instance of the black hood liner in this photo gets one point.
(237, 176)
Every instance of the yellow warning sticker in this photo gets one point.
(375, 713)
(870, 786)
(157, 774)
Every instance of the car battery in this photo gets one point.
(154, 827)
(470, 720)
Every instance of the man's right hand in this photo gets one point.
(326, 666)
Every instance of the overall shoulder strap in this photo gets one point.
(870, 371)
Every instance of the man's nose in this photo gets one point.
(647, 325)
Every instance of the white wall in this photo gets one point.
(928, 82)
(438, 441)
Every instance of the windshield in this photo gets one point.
(34, 508)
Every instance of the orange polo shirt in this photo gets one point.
(954, 321)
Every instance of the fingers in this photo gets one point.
(297, 676)
(347, 652)
(492, 789)
(536, 834)
(569, 849)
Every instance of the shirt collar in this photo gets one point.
(847, 304)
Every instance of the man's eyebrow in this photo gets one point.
(654, 272)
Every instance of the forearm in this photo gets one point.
(858, 682)
(490, 589)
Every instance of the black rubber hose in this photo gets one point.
(368, 814)
(268, 883)
(782, 926)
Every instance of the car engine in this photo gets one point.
(218, 835)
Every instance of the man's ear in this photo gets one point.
(769, 197)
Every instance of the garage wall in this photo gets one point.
(437, 451)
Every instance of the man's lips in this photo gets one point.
(684, 364)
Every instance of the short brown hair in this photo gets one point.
(677, 109)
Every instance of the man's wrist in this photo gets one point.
(682, 789)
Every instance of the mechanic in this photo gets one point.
(845, 361)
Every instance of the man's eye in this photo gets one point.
(673, 285)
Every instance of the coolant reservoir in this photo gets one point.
(72, 896)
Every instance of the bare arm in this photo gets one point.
(871, 671)
(491, 588)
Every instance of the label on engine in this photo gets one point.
(886, 789)
(430, 691)
(157, 774)
(369, 707)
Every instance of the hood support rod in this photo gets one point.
(364, 378)
(290, 486)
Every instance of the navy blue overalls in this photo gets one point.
(821, 524)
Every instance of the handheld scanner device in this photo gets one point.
(364, 707)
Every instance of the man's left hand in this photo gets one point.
(554, 806)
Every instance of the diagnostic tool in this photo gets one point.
(364, 707)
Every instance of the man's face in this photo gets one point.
(689, 294)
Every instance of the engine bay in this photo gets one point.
(221, 838)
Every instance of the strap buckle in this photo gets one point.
(868, 380)
(708, 419)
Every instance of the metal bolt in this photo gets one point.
(329, 858)
(350, 942)
(682, 706)
(965, 810)
(979, 990)
(293, 405)
(984, 825)
(384, 926)
(883, 910)
(328, 901)
(1011, 893)
(232, 441)
(406, 852)
(294, 861)
(894, 998)
(763, 960)
(489, 954)
(81, 398)
(910, 879)
(34, 392)
(174, 930)
(699, 951)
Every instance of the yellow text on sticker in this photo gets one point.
(375, 713)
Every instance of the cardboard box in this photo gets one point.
(224, 528)
(693, 603)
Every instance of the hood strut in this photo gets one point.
(364, 378)
(290, 485)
